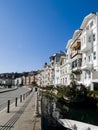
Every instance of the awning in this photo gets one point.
(75, 45)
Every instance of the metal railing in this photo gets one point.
(14, 100)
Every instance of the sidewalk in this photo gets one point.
(21, 117)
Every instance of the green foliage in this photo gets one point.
(93, 93)
(76, 91)
(34, 83)
(72, 91)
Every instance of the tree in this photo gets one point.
(34, 83)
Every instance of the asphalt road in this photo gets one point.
(11, 95)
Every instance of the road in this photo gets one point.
(11, 95)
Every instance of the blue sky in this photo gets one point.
(32, 30)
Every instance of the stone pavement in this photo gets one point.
(21, 117)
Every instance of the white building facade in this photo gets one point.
(89, 48)
(81, 58)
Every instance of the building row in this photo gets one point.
(17, 79)
(80, 58)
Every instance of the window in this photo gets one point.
(89, 58)
(75, 63)
(87, 28)
(89, 39)
(91, 24)
(84, 59)
(94, 55)
(85, 75)
(65, 80)
(89, 74)
(65, 70)
(57, 78)
(72, 64)
(93, 37)
(79, 62)
(57, 70)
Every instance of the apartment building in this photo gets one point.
(40, 78)
(55, 77)
(29, 77)
(63, 70)
(18, 81)
(82, 52)
(68, 62)
(46, 75)
(89, 49)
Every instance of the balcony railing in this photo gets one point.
(86, 65)
(85, 47)
(74, 53)
(68, 61)
(95, 75)
(77, 68)
(76, 65)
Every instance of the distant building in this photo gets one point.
(29, 77)
(55, 68)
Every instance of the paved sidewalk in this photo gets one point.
(21, 117)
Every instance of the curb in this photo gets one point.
(12, 89)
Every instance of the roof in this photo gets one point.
(76, 33)
(86, 19)
(69, 43)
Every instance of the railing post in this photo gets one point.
(20, 98)
(26, 95)
(74, 127)
(8, 106)
(16, 102)
(23, 96)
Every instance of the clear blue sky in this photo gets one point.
(32, 30)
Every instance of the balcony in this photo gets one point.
(68, 61)
(76, 53)
(75, 49)
(76, 45)
(87, 65)
(87, 44)
(86, 47)
(76, 69)
(78, 77)
(76, 57)
(95, 76)
(76, 66)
